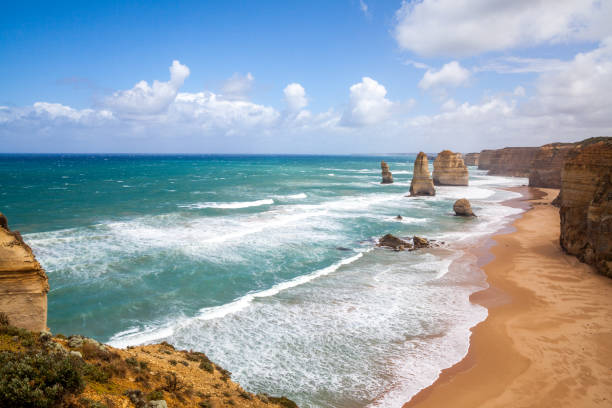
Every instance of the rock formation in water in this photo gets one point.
(471, 159)
(462, 207)
(512, 161)
(387, 177)
(421, 183)
(484, 159)
(449, 169)
(586, 204)
(23, 283)
(419, 242)
(548, 164)
(394, 242)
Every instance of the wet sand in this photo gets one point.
(547, 341)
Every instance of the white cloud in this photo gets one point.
(368, 104)
(295, 97)
(471, 27)
(520, 65)
(145, 99)
(364, 7)
(417, 64)
(450, 75)
(237, 87)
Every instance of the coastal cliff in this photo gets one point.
(421, 183)
(23, 282)
(449, 169)
(548, 164)
(471, 159)
(484, 159)
(586, 204)
(512, 161)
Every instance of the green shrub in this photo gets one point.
(4, 320)
(207, 366)
(89, 403)
(38, 380)
(132, 361)
(97, 373)
(156, 395)
(283, 402)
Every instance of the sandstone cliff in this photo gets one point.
(421, 183)
(512, 161)
(548, 164)
(471, 159)
(387, 177)
(484, 159)
(586, 204)
(449, 170)
(23, 283)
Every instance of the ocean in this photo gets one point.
(267, 264)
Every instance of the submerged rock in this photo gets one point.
(421, 184)
(420, 242)
(387, 177)
(399, 217)
(394, 242)
(449, 169)
(463, 208)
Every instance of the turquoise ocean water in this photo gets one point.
(266, 263)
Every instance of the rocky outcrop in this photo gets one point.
(421, 183)
(512, 161)
(463, 208)
(471, 159)
(548, 164)
(23, 283)
(449, 169)
(391, 241)
(586, 203)
(387, 177)
(484, 159)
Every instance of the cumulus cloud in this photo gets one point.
(450, 75)
(520, 65)
(145, 99)
(367, 104)
(237, 87)
(471, 27)
(295, 97)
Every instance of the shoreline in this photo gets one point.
(547, 339)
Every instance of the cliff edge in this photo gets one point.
(586, 204)
(23, 282)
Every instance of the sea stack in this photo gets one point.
(387, 177)
(449, 169)
(422, 184)
(471, 159)
(586, 204)
(23, 283)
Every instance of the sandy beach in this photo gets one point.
(547, 341)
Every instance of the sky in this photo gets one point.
(316, 77)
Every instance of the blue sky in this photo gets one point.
(367, 77)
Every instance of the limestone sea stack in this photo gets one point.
(387, 177)
(471, 159)
(421, 184)
(463, 208)
(449, 169)
(586, 204)
(23, 283)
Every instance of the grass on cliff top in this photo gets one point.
(43, 372)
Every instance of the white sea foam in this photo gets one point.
(229, 205)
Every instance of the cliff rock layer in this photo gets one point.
(512, 161)
(387, 177)
(484, 159)
(471, 159)
(586, 204)
(548, 164)
(449, 170)
(23, 283)
(421, 183)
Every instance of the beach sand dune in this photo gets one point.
(548, 339)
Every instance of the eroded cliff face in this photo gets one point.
(484, 159)
(548, 164)
(421, 183)
(471, 159)
(387, 177)
(23, 283)
(586, 204)
(449, 169)
(512, 161)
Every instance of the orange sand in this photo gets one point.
(547, 341)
